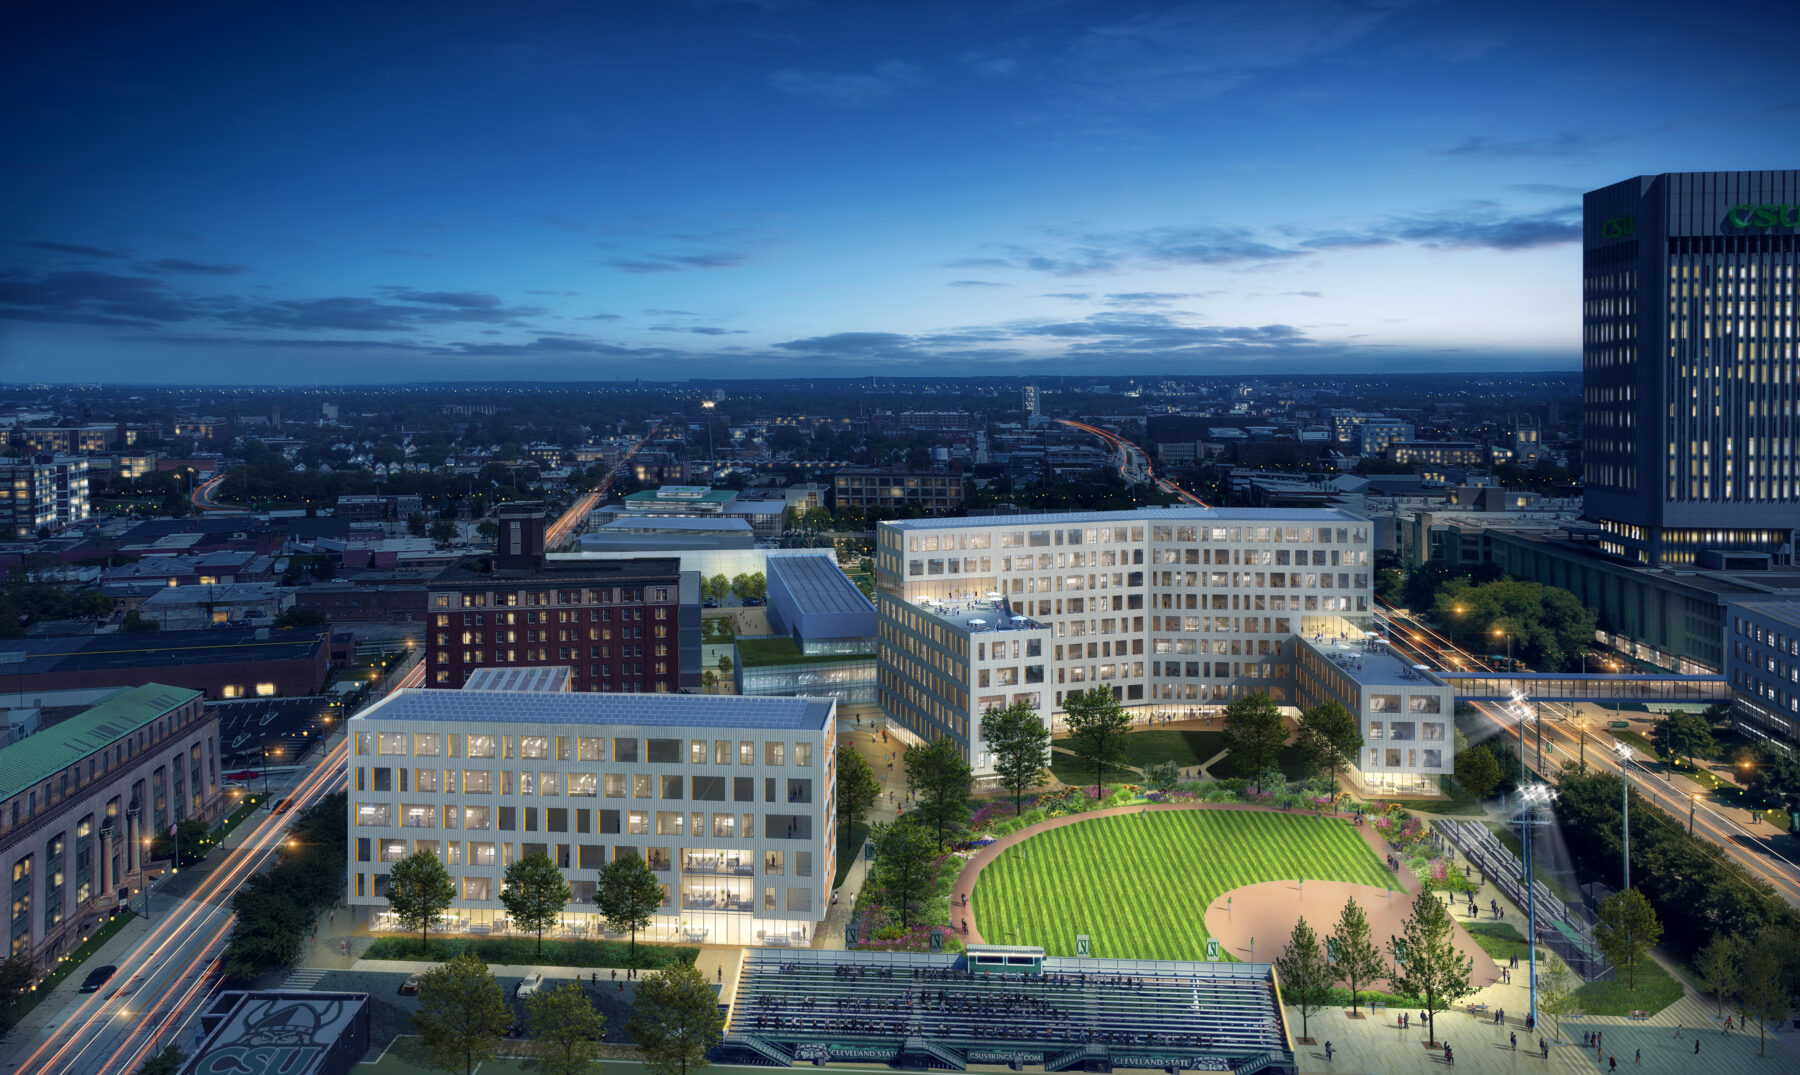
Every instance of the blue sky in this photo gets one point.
(321, 193)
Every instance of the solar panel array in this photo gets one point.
(1146, 515)
(643, 710)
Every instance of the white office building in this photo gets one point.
(1175, 609)
(728, 799)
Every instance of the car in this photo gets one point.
(530, 984)
(98, 977)
(410, 987)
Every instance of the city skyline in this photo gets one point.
(772, 189)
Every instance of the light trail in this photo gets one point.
(1127, 452)
(566, 523)
(178, 927)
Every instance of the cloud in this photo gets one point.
(700, 330)
(855, 345)
(595, 317)
(1306, 294)
(976, 283)
(557, 294)
(75, 250)
(1456, 231)
(350, 313)
(651, 263)
(200, 268)
(1555, 190)
(851, 88)
(1072, 296)
(1174, 56)
(461, 300)
(93, 298)
(1561, 144)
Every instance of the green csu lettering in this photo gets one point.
(1619, 227)
(1764, 216)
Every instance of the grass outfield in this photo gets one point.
(1139, 884)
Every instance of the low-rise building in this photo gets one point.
(729, 800)
(80, 801)
(1762, 666)
(221, 662)
(896, 490)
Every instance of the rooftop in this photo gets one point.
(543, 678)
(673, 496)
(817, 584)
(1370, 662)
(1147, 515)
(642, 710)
(561, 570)
(154, 649)
(975, 612)
(1784, 609)
(123, 712)
(637, 524)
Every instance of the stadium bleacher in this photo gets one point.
(1004, 1005)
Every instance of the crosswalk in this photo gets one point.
(304, 978)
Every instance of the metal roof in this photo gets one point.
(156, 649)
(1147, 515)
(643, 710)
(635, 523)
(817, 585)
(61, 745)
(542, 678)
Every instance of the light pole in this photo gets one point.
(1532, 798)
(1624, 753)
(1519, 711)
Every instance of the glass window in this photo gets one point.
(773, 753)
(625, 750)
(671, 787)
(746, 753)
(803, 863)
(800, 899)
(477, 817)
(583, 783)
(534, 746)
(481, 746)
(637, 822)
(425, 746)
(671, 823)
(374, 814)
(478, 888)
(391, 742)
(616, 785)
(1432, 731)
(722, 752)
(803, 753)
(590, 748)
(643, 786)
(774, 863)
(481, 854)
(478, 781)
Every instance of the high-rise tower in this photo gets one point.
(1690, 374)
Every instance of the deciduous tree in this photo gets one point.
(419, 892)
(904, 867)
(1097, 726)
(1716, 967)
(462, 1016)
(676, 1020)
(566, 1026)
(1254, 734)
(1626, 931)
(941, 783)
(1430, 967)
(1306, 977)
(1763, 990)
(628, 896)
(1477, 771)
(1680, 734)
(1329, 738)
(857, 787)
(1019, 743)
(534, 894)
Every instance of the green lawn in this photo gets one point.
(1656, 990)
(1072, 770)
(1187, 749)
(1138, 884)
(523, 951)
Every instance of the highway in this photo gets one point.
(564, 527)
(166, 978)
(1134, 462)
(1567, 736)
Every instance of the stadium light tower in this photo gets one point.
(1624, 753)
(1531, 800)
(1519, 707)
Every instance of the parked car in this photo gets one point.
(98, 977)
(410, 987)
(530, 984)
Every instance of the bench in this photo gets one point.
(1377, 1005)
(1640, 1016)
(1478, 1008)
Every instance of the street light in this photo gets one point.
(1532, 798)
(1624, 753)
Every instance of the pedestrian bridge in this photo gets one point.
(1602, 689)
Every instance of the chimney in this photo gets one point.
(521, 543)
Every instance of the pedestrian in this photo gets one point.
(1727, 1024)
(1678, 1029)
(1639, 1060)
(1328, 1051)
(596, 977)
(1612, 1063)
(1515, 1041)
(721, 975)
(615, 974)
(1696, 1046)
(1544, 1048)
(1599, 1037)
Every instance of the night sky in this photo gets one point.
(313, 193)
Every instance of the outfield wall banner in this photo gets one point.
(1213, 955)
(1082, 949)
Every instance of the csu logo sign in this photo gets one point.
(1619, 227)
(1763, 216)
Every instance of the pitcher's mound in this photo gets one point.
(1267, 912)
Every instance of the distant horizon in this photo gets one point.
(353, 194)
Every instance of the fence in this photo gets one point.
(1567, 931)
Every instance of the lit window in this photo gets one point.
(265, 690)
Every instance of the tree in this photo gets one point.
(443, 531)
(1358, 959)
(487, 530)
(1162, 775)
(1329, 738)
(1430, 967)
(15, 977)
(135, 621)
(1019, 743)
(534, 894)
(676, 1020)
(415, 524)
(1306, 977)
(1681, 734)
(1763, 991)
(941, 782)
(751, 586)
(462, 1016)
(904, 867)
(267, 928)
(419, 891)
(1477, 771)
(857, 787)
(1550, 628)
(1716, 967)
(1775, 774)
(1556, 991)
(628, 896)
(295, 616)
(567, 1028)
(1254, 734)
(724, 665)
(717, 588)
(167, 1061)
(1097, 726)
(1626, 931)
(709, 679)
